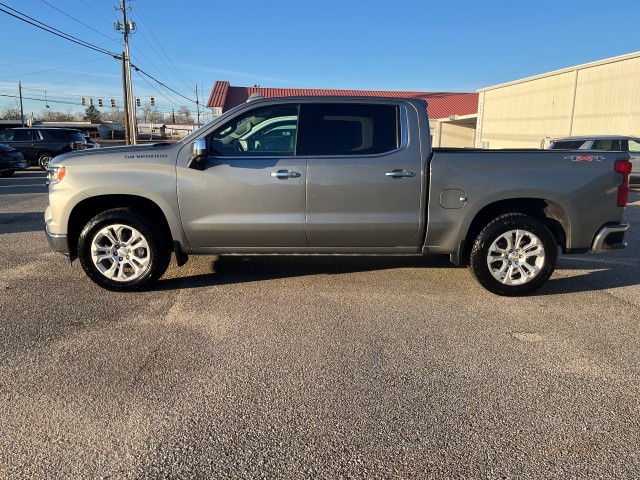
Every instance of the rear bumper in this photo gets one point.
(58, 243)
(19, 164)
(609, 238)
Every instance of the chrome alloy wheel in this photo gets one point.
(120, 253)
(516, 257)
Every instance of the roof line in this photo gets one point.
(583, 66)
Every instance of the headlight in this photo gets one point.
(55, 174)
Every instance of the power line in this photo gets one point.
(38, 99)
(55, 31)
(170, 65)
(41, 59)
(159, 82)
(43, 26)
(51, 69)
(159, 92)
(81, 23)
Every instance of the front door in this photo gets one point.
(364, 181)
(251, 191)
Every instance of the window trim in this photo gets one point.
(404, 136)
(211, 152)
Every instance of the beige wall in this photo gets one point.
(608, 99)
(455, 135)
(601, 98)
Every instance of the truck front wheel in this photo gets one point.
(513, 255)
(121, 250)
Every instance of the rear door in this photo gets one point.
(23, 141)
(251, 192)
(364, 177)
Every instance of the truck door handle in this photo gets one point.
(400, 174)
(284, 174)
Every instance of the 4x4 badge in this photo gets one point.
(584, 158)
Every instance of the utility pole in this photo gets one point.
(197, 105)
(125, 101)
(127, 29)
(21, 109)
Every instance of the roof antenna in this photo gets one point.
(254, 96)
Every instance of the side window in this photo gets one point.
(269, 131)
(634, 146)
(36, 135)
(6, 136)
(22, 136)
(353, 129)
(56, 135)
(609, 145)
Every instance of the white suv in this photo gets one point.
(611, 143)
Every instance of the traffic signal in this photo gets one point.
(91, 101)
(113, 103)
(153, 101)
(100, 102)
(83, 101)
(138, 101)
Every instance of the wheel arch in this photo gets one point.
(549, 212)
(92, 206)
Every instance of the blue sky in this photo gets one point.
(392, 45)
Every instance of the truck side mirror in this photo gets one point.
(198, 153)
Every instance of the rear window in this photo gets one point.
(567, 145)
(76, 137)
(60, 135)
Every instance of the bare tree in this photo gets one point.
(184, 115)
(114, 115)
(11, 112)
(149, 114)
(53, 116)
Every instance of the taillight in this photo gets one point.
(623, 167)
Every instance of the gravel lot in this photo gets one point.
(313, 367)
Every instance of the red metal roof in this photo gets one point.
(441, 104)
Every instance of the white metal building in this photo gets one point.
(596, 98)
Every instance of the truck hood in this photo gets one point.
(118, 154)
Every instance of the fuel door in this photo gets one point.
(452, 198)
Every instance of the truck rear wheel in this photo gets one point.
(122, 250)
(513, 255)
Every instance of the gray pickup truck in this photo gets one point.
(325, 175)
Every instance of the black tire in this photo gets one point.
(528, 265)
(155, 251)
(44, 159)
(7, 173)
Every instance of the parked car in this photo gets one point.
(40, 144)
(11, 160)
(609, 143)
(91, 143)
(346, 176)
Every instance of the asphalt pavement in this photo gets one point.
(313, 367)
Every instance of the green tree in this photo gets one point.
(93, 115)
